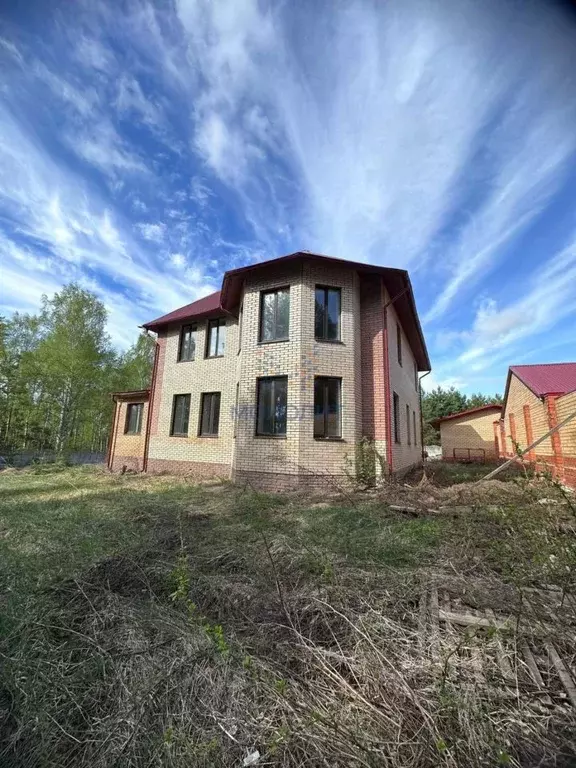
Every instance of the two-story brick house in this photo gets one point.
(278, 376)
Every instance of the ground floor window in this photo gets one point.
(180, 416)
(272, 406)
(134, 413)
(210, 414)
(396, 418)
(327, 421)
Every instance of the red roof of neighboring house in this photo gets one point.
(209, 305)
(547, 378)
(397, 284)
(479, 409)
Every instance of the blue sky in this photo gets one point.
(147, 147)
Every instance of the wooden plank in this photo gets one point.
(563, 672)
(435, 622)
(422, 616)
(503, 662)
(534, 671)
(468, 620)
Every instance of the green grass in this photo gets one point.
(153, 621)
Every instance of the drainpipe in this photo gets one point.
(421, 416)
(150, 408)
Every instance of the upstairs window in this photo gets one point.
(180, 416)
(327, 421)
(216, 337)
(399, 342)
(327, 313)
(272, 406)
(210, 414)
(275, 315)
(134, 413)
(414, 424)
(396, 418)
(416, 376)
(187, 346)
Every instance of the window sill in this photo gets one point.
(178, 435)
(330, 439)
(213, 357)
(329, 341)
(273, 341)
(132, 434)
(270, 437)
(186, 361)
(210, 437)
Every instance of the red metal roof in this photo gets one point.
(547, 378)
(209, 305)
(479, 409)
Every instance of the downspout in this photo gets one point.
(421, 414)
(113, 433)
(387, 389)
(150, 407)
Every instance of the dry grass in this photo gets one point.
(166, 624)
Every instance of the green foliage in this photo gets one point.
(444, 402)
(363, 470)
(57, 370)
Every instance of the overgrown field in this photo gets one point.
(151, 621)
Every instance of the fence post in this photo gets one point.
(496, 443)
(503, 438)
(513, 432)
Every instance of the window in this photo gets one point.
(275, 314)
(399, 342)
(240, 315)
(408, 424)
(209, 414)
(134, 413)
(396, 418)
(187, 346)
(416, 376)
(414, 425)
(216, 337)
(272, 406)
(327, 313)
(180, 416)
(327, 407)
(237, 401)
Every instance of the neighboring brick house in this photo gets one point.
(537, 398)
(469, 435)
(275, 378)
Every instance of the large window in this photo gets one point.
(209, 414)
(187, 346)
(134, 413)
(399, 342)
(272, 406)
(216, 337)
(327, 313)
(396, 418)
(180, 416)
(327, 421)
(275, 315)
(408, 425)
(414, 425)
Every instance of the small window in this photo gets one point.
(236, 405)
(180, 416)
(187, 346)
(240, 315)
(327, 313)
(409, 441)
(216, 337)
(272, 407)
(396, 418)
(416, 377)
(327, 421)
(414, 425)
(399, 342)
(275, 315)
(209, 414)
(134, 413)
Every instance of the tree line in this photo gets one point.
(57, 370)
(444, 402)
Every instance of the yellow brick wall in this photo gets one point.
(403, 383)
(518, 396)
(125, 446)
(565, 406)
(474, 432)
(195, 377)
